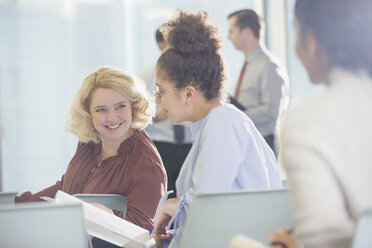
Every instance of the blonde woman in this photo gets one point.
(114, 154)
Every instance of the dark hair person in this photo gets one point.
(228, 152)
(326, 139)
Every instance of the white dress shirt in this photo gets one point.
(264, 90)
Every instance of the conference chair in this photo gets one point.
(285, 184)
(363, 236)
(7, 197)
(162, 199)
(113, 201)
(42, 225)
(214, 218)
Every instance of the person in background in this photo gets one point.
(172, 141)
(263, 86)
(114, 154)
(326, 139)
(228, 152)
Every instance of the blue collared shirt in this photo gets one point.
(228, 153)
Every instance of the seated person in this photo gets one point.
(172, 141)
(326, 139)
(228, 152)
(114, 154)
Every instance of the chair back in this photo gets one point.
(7, 197)
(39, 225)
(113, 201)
(285, 184)
(162, 199)
(363, 233)
(214, 218)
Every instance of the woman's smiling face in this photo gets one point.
(111, 115)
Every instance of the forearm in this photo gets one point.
(167, 210)
(170, 206)
(29, 197)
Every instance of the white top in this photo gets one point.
(326, 144)
(228, 153)
(264, 90)
(162, 130)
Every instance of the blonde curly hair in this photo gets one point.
(107, 77)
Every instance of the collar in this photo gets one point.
(254, 54)
(124, 147)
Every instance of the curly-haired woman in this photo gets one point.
(228, 152)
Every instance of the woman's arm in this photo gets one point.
(29, 197)
(166, 212)
(149, 183)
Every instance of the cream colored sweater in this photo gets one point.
(326, 150)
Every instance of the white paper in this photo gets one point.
(109, 227)
(46, 198)
(241, 241)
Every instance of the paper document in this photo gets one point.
(46, 198)
(109, 227)
(241, 241)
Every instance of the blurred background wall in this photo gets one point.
(47, 48)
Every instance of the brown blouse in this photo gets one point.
(136, 172)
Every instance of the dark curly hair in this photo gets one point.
(342, 27)
(193, 55)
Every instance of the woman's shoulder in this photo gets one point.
(143, 140)
(83, 147)
(144, 148)
(226, 109)
(228, 113)
(227, 120)
(145, 155)
(307, 111)
(308, 121)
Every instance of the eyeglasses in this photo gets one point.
(158, 94)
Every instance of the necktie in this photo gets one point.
(240, 81)
(179, 134)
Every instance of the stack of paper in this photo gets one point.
(109, 227)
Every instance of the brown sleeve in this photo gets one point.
(148, 186)
(29, 197)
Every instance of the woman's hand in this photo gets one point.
(166, 211)
(283, 238)
(160, 238)
(103, 207)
